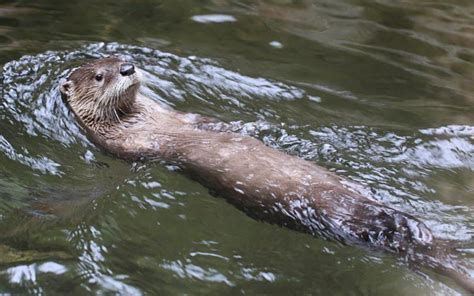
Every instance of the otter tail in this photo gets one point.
(460, 278)
(444, 260)
(402, 234)
(415, 242)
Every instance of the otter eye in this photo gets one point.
(99, 77)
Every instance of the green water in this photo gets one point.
(381, 92)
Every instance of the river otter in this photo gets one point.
(265, 183)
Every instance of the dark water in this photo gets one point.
(380, 92)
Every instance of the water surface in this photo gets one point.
(380, 92)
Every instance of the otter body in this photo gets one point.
(264, 182)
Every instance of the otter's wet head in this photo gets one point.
(101, 91)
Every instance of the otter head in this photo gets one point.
(101, 92)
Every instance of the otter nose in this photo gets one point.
(127, 69)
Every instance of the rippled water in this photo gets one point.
(380, 92)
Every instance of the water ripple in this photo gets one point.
(397, 167)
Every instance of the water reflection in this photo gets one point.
(376, 158)
(191, 271)
(379, 92)
(426, 39)
(213, 18)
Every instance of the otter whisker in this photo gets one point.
(116, 115)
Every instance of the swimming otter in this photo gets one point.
(264, 182)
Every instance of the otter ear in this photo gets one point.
(65, 88)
